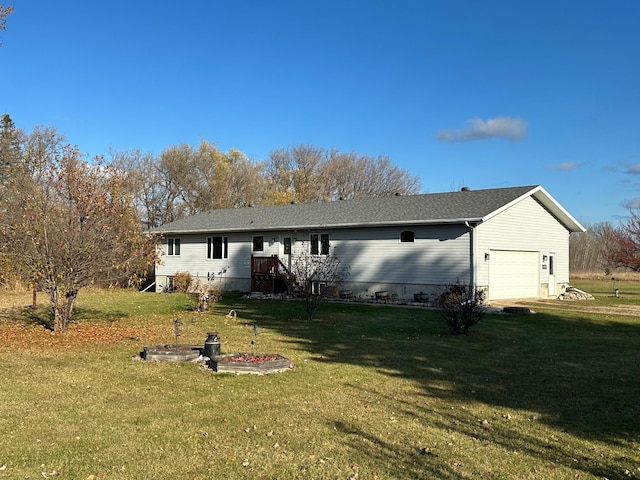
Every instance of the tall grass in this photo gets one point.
(376, 392)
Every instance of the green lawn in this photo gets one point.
(377, 392)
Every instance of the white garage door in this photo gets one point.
(513, 274)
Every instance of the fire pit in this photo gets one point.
(172, 353)
(256, 363)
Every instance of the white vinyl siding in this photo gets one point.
(524, 227)
(437, 255)
(193, 257)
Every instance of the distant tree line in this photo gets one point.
(606, 248)
(585, 252)
(185, 179)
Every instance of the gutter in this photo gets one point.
(473, 280)
(267, 228)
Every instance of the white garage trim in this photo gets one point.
(514, 274)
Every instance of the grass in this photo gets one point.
(377, 392)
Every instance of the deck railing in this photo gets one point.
(267, 273)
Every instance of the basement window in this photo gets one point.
(407, 236)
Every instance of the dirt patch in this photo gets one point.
(569, 305)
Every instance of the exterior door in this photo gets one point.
(285, 254)
(552, 275)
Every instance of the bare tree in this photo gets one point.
(595, 249)
(187, 179)
(153, 196)
(304, 173)
(462, 307)
(12, 173)
(11, 164)
(4, 13)
(356, 176)
(315, 277)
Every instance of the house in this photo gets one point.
(513, 242)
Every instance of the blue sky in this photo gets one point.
(476, 93)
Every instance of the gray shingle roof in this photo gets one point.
(450, 207)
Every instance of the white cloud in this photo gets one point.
(564, 167)
(633, 169)
(514, 129)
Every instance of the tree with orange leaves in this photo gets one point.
(69, 223)
(620, 245)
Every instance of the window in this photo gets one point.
(173, 246)
(324, 244)
(258, 244)
(319, 244)
(217, 247)
(407, 236)
(287, 245)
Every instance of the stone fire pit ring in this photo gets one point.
(171, 353)
(254, 363)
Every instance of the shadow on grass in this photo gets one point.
(578, 375)
(409, 460)
(102, 306)
(43, 316)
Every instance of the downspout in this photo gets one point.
(472, 254)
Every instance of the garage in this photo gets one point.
(513, 274)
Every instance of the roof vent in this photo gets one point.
(465, 189)
(397, 194)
